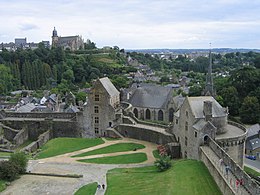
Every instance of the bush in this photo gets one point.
(20, 160)
(163, 163)
(8, 170)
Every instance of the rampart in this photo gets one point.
(248, 183)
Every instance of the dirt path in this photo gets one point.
(65, 164)
(66, 158)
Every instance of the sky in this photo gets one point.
(136, 24)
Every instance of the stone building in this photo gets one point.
(202, 117)
(102, 107)
(253, 141)
(151, 102)
(70, 42)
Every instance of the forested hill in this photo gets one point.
(44, 68)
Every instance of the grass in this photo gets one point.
(4, 154)
(23, 145)
(184, 177)
(2, 185)
(59, 146)
(120, 159)
(156, 154)
(251, 171)
(89, 189)
(120, 147)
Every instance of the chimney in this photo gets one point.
(207, 109)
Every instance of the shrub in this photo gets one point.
(8, 170)
(163, 163)
(20, 160)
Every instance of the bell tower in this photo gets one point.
(55, 38)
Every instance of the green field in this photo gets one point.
(89, 189)
(59, 146)
(185, 177)
(120, 159)
(120, 147)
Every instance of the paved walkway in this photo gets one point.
(229, 178)
(64, 164)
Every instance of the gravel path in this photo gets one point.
(64, 164)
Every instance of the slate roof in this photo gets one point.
(196, 104)
(26, 108)
(253, 130)
(151, 96)
(66, 39)
(201, 124)
(253, 144)
(108, 85)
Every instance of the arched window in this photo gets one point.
(136, 113)
(186, 126)
(160, 115)
(171, 112)
(148, 114)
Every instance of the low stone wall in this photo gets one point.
(9, 133)
(21, 137)
(145, 134)
(53, 115)
(221, 182)
(250, 185)
(43, 138)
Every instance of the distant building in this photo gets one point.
(253, 141)
(20, 42)
(71, 42)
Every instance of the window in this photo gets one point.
(96, 97)
(186, 141)
(187, 114)
(160, 115)
(186, 126)
(196, 134)
(96, 120)
(176, 121)
(96, 130)
(185, 154)
(95, 109)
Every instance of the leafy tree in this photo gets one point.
(230, 99)
(163, 163)
(249, 111)
(195, 90)
(5, 79)
(20, 160)
(8, 171)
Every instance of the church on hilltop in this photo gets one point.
(72, 43)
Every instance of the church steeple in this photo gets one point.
(55, 38)
(209, 89)
(54, 33)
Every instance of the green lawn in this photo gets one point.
(89, 189)
(156, 154)
(120, 159)
(2, 185)
(185, 177)
(120, 147)
(112, 139)
(59, 146)
(251, 171)
(3, 154)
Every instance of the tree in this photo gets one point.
(249, 111)
(8, 171)
(230, 99)
(20, 160)
(163, 163)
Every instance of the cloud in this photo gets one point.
(27, 26)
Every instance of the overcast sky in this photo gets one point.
(135, 24)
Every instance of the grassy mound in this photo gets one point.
(59, 146)
(120, 147)
(184, 177)
(120, 159)
(89, 189)
(2, 185)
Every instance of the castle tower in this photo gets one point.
(55, 38)
(209, 90)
